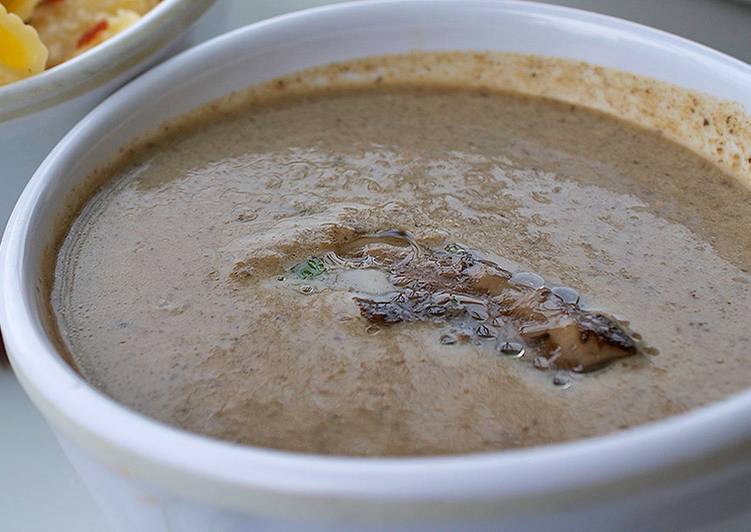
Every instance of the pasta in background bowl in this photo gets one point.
(22, 53)
(41, 34)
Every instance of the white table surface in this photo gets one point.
(39, 491)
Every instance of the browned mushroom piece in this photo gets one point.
(582, 341)
(383, 312)
(450, 284)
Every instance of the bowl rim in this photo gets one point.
(99, 64)
(657, 453)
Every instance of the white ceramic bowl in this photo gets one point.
(36, 112)
(687, 470)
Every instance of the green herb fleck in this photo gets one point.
(310, 268)
(455, 248)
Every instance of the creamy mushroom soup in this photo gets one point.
(408, 269)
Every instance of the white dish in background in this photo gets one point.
(182, 515)
(37, 111)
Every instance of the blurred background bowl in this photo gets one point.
(36, 112)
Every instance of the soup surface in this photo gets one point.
(227, 276)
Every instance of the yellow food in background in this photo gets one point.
(22, 8)
(22, 53)
(111, 26)
(58, 30)
(68, 27)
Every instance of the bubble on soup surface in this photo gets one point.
(562, 379)
(566, 294)
(528, 279)
(511, 349)
(484, 332)
(448, 339)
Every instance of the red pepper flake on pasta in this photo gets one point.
(91, 33)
